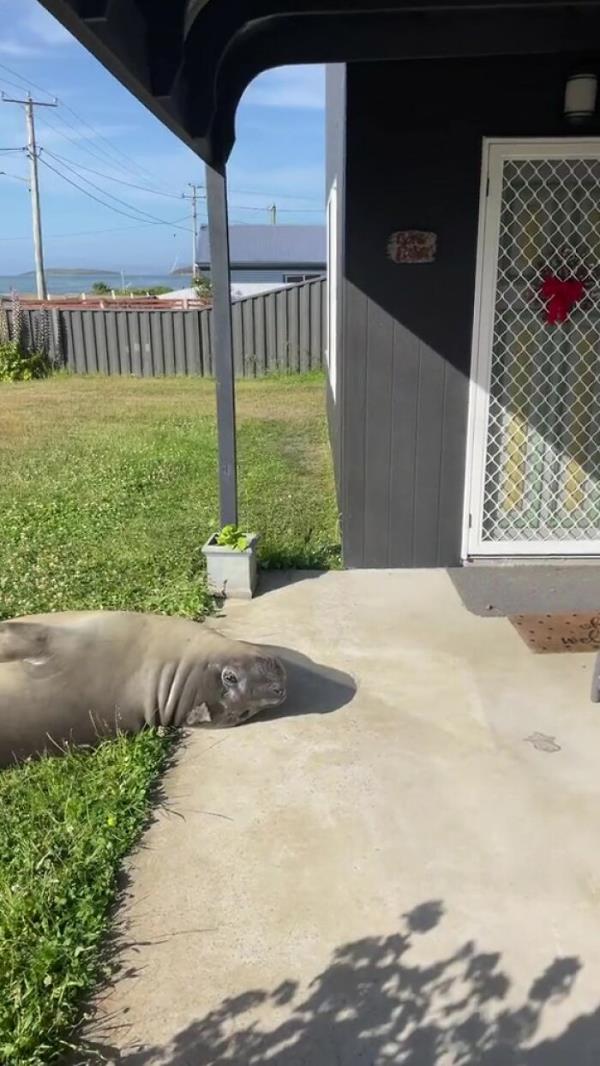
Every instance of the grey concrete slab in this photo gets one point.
(412, 877)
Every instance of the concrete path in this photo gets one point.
(410, 875)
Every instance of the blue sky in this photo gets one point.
(99, 125)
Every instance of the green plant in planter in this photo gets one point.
(231, 537)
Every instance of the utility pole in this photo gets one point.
(32, 152)
(273, 210)
(194, 198)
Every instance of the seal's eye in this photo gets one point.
(229, 677)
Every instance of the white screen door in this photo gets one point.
(533, 470)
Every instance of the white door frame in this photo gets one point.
(332, 285)
(495, 151)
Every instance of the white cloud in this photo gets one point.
(58, 137)
(45, 28)
(295, 87)
(33, 32)
(17, 49)
(293, 181)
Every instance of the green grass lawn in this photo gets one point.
(109, 488)
(108, 491)
(65, 825)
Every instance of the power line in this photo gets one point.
(13, 84)
(94, 152)
(274, 210)
(85, 147)
(136, 218)
(28, 82)
(158, 192)
(278, 210)
(299, 210)
(111, 229)
(109, 177)
(81, 145)
(173, 196)
(117, 199)
(92, 232)
(278, 195)
(136, 166)
(16, 177)
(81, 141)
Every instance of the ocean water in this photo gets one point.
(75, 284)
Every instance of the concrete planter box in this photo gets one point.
(232, 574)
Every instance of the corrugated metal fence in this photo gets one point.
(284, 330)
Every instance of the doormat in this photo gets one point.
(559, 632)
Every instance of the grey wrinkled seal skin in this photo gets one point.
(80, 676)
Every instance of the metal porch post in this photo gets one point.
(216, 200)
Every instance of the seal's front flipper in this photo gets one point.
(26, 641)
(595, 693)
(199, 715)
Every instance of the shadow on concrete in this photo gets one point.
(375, 1004)
(273, 580)
(312, 687)
(502, 590)
(270, 581)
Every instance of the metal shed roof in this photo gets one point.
(262, 245)
(189, 61)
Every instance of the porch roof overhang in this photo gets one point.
(189, 61)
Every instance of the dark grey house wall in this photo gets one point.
(413, 157)
(335, 136)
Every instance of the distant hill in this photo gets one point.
(57, 272)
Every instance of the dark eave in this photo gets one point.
(189, 61)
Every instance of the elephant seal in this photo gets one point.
(80, 676)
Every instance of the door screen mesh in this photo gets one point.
(542, 474)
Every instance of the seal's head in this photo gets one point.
(245, 684)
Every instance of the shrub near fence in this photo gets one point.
(283, 330)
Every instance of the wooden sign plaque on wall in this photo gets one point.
(412, 246)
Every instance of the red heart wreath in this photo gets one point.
(560, 295)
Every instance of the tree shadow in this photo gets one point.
(376, 1004)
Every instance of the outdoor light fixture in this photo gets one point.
(580, 97)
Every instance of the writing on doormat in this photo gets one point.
(559, 632)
